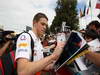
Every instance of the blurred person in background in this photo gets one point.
(94, 26)
(5, 41)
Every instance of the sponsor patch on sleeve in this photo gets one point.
(22, 44)
(22, 50)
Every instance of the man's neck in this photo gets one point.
(35, 32)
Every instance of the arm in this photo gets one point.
(25, 67)
(57, 52)
(94, 57)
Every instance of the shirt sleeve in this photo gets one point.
(23, 47)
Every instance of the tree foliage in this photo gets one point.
(65, 11)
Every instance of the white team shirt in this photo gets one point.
(23, 49)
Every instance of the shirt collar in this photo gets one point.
(34, 36)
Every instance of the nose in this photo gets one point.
(44, 27)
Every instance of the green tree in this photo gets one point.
(65, 11)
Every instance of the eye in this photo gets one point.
(43, 24)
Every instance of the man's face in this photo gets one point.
(92, 27)
(41, 26)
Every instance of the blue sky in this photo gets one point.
(81, 4)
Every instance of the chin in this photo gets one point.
(40, 35)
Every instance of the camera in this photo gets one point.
(6, 36)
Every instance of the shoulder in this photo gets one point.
(24, 36)
(34, 37)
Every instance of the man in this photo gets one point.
(94, 56)
(5, 41)
(94, 25)
(23, 51)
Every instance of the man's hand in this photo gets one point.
(58, 50)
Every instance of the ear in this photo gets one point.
(34, 23)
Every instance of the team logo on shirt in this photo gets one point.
(23, 37)
(22, 45)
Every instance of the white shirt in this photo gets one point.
(23, 49)
(94, 45)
